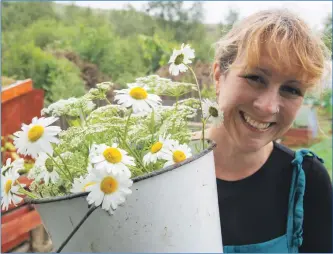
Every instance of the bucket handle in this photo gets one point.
(90, 211)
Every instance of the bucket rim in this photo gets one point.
(211, 146)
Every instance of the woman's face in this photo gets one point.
(259, 105)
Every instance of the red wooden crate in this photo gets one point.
(17, 222)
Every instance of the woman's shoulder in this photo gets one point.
(313, 167)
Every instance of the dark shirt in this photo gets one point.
(254, 209)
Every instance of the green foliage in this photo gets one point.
(156, 51)
(17, 15)
(65, 80)
(128, 22)
(209, 93)
(324, 150)
(124, 44)
(326, 101)
(49, 73)
(327, 36)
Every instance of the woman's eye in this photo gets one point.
(291, 90)
(255, 78)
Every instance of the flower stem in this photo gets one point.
(202, 118)
(203, 133)
(152, 125)
(62, 160)
(177, 97)
(134, 154)
(107, 100)
(71, 178)
(23, 191)
(125, 143)
(127, 124)
(83, 117)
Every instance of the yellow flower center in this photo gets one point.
(156, 147)
(8, 186)
(138, 93)
(87, 185)
(112, 155)
(35, 133)
(178, 156)
(109, 185)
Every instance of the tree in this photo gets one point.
(185, 22)
(16, 15)
(231, 18)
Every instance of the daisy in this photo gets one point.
(212, 111)
(110, 189)
(111, 159)
(180, 58)
(158, 149)
(9, 189)
(80, 184)
(176, 154)
(16, 165)
(46, 169)
(37, 136)
(138, 98)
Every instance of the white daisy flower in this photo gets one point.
(110, 189)
(16, 165)
(46, 169)
(137, 97)
(80, 184)
(37, 136)
(176, 154)
(213, 112)
(111, 159)
(179, 58)
(158, 149)
(9, 189)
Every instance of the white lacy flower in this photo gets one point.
(176, 154)
(179, 58)
(110, 189)
(71, 106)
(80, 184)
(46, 168)
(158, 149)
(37, 136)
(110, 159)
(9, 189)
(213, 112)
(58, 108)
(104, 86)
(138, 98)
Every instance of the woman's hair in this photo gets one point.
(284, 36)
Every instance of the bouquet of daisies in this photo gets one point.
(105, 147)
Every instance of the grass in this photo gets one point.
(324, 150)
(323, 145)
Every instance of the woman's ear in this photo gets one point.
(217, 76)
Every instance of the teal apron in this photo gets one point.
(292, 240)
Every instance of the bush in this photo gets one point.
(47, 72)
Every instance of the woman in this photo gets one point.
(263, 68)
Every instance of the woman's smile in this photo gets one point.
(254, 125)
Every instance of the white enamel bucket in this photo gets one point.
(174, 209)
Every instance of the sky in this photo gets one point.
(313, 12)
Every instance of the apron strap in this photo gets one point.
(296, 195)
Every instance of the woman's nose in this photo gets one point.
(267, 102)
